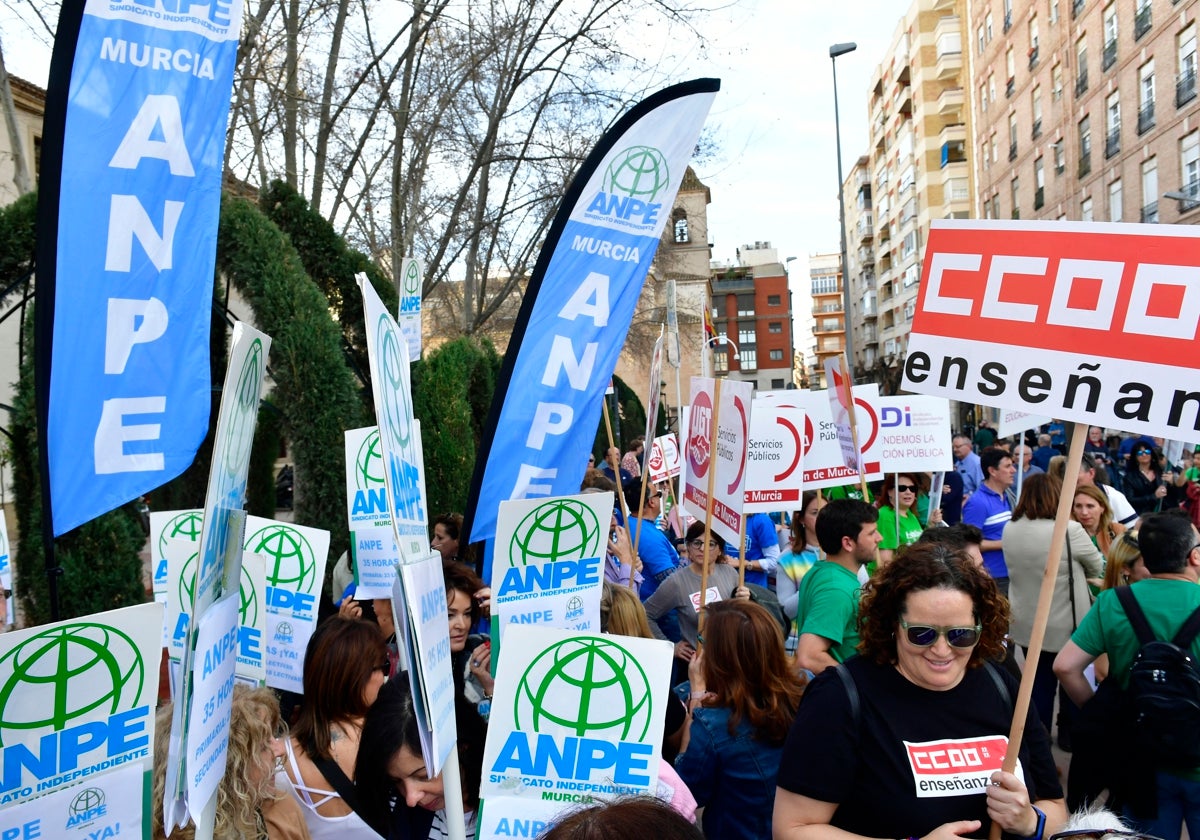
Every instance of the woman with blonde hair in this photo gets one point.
(1125, 564)
(249, 805)
(626, 615)
(1091, 509)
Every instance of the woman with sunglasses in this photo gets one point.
(1026, 541)
(743, 700)
(1143, 484)
(899, 524)
(906, 739)
(680, 593)
(344, 668)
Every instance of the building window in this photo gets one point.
(1033, 41)
(1036, 99)
(681, 227)
(775, 327)
(987, 25)
(1150, 190)
(1060, 157)
(1010, 65)
(1109, 56)
(746, 336)
(1189, 168)
(721, 357)
(1053, 12)
(1056, 82)
(1185, 84)
(749, 359)
(1085, 210)
(979, 37)
(1081, 65)
(1039, 184)
(1146, 97)
(745, 305)
(996, 206)
(777, 385)
(1085, 146)
(1012, 136)
(1112, 112)
(776, 355)
(1016, 198)
(1116, 206)
(774, 300)
(1141, 19)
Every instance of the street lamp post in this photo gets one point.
(834, 52)
(724, 339)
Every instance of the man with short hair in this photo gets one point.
(988, 510)
(966, 464)
(1170, 547)
(611, 458)
(827, 603)
(659, 558)
(1122, 511)
(960, 537)
(1043, 453)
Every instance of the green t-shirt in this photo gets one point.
(828, 606)
(1191, 474)
(847, 491)
(910, 528)
(1106, 629)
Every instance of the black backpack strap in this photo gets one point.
(1137, 618)
(341, 783)
(1188, 631)
(851, 693)
(1001, 686)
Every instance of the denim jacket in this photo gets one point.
(733, 776)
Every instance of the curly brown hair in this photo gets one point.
(929, 566)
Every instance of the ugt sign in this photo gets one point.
(1095, 323)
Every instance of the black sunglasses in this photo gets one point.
(926, 635)
(906, 488)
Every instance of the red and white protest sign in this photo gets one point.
(774, 465)
(1096, 323)
(822, 455)
(727, 457)
(958, 767)
(664, 458)
(914, 434)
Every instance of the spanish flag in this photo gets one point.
(710, 331)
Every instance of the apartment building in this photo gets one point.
(860, 267)
(1086, 109)
(752, 307)
(829, 315)
(919, 170)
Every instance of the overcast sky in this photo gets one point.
(774, 175)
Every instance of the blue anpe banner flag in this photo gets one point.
(580, 301)
(142, 155)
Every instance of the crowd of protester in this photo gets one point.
(856, 672)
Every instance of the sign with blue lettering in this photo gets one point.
(103, 807)
(548, 566)
(575, 716)
(914, 434)
(77, 699)
(170, 525)
(366, 491)
(399, 437)
(252, 608)
(295, 557)
(419, 612)
(142, 160)
(207, 744)
(579, 304)
(222, 532)
(408, 314)
(375, 559)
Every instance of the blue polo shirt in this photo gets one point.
(989, 511)
(659, 557)
(760, 540)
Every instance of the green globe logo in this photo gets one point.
(86, 800)
(182, 526)
(394, 388)
(240, 433)
(292, 563)
(562, 529)
(412, 279)
(247, 597)
(65, 673)
(588, 686)
(368, 463)
(639, 172)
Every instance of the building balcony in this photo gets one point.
(953, 151)
(950, 101)
(1150, 213)
(1085, 163)
(1185, 88)
(1033, 57)
(1112, 143)
(865, 228)
(1109, 57)
(869, 309)
(1076, 8)
(1037, 129)
(1081, 83)
(1193, 190)
(1010, 87)
(1008, 20)
(1012, 150)
(949, 64)
(1039, 198)
(1145, 118)
(956, 198)
(866, 255)
(1141, 22)
(737, 283)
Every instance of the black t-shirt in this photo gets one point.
(917, 758)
